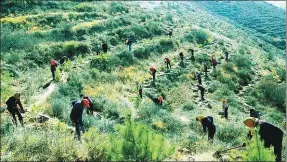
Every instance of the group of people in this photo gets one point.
(270, 134)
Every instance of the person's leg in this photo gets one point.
(167, 65)
(82, 125)
(12, 113)
(153, 76)
(19, 116)
(278, 149)
(53, 74)
(78, 132)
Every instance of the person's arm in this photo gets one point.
(204, 127)
(20, 104)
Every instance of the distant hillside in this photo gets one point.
(261, 17)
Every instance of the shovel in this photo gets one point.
(217, 153)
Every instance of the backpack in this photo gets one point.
(210, 118)
(74, 102)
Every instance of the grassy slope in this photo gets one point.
(119, 86)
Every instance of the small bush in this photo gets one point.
(95, 145)
(138, 142)
(201, 37)
(272, 92)
(201, 58)
(230, 134)
(188, 106)
(117, 7)
(126, 57)
(101, 62)
(142, 53)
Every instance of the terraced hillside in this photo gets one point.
(126, 126)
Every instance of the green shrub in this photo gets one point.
(273, 92)
(202, 57)
(58, 75)
(101, 62)
(201, 36)
(84, 7)
(142, 52)
(244, 77)
(73, 87)
(255, 150)
(242, 61)
(95, 145)
(138, 142)
(188, 106)
(229, 133)
(126, 57)
(190, 38)
(117, 7)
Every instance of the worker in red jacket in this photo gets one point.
(153, 71)
(167, 61)
(53, 67)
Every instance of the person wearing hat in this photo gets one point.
(76, 115)
(270, 134)
(207, 122)
(90, 110)
(12, 103)
(198, 75)
(153, 71)
(225, 108)
(167, 61)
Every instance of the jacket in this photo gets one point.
(207, 122)
(12, 102)
(77, 111)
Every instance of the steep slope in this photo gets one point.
(53, 29)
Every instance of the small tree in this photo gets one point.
(138, 142)
(255, 150)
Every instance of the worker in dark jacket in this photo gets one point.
(140, 91)
(105, 47)
(129, 43)
(198, 75)
(192, 55)
(181, 56)
(167, 61)
(226, 55)
(225, 108)
(207, 122)
(205, 68)
(63, 60)
(53, 68)
(76, 115)
(152, 71)
(254, 113)
(202, 89)
(170, 33)
(270, 134)
(12, 103)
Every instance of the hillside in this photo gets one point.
(125, 126)
(267, 21)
